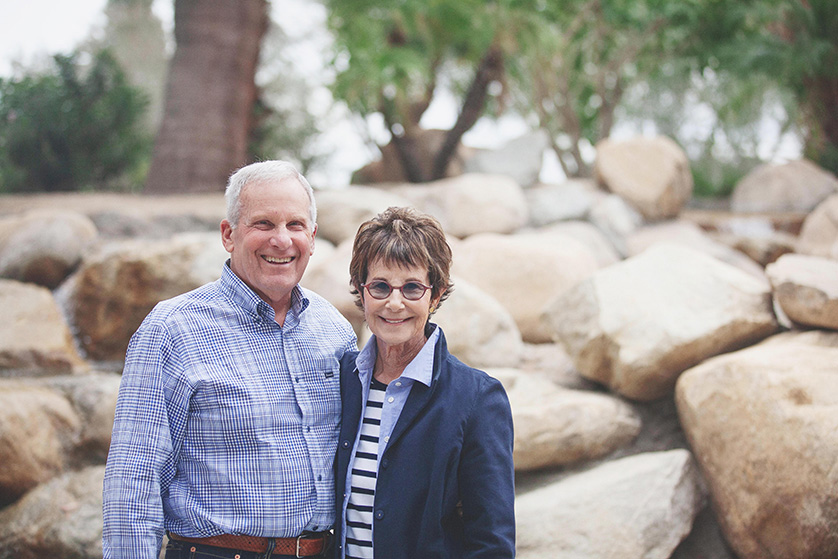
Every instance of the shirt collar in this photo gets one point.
(239, 292)
(421, 369)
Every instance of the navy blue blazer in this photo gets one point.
(445, 485)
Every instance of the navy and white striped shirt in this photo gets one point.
(226, 421)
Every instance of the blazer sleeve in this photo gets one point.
(487, 476)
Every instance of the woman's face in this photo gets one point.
(396, 321)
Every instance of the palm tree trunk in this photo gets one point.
(210, 95)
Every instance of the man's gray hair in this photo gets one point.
(263, 171)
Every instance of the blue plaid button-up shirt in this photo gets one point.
(226, 422)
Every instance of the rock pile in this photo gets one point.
(673, 373)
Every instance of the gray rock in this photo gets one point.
(636, 325)
(806, 288)
(762, 422)
(794, 186)
(640, 507)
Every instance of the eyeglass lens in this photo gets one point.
(412, 291)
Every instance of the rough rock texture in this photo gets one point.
(653, 174)
(555, 426)
(35, 339)
(472, 203)
(806, 288)
(636, 325)
(794, 186)
(61, 518)
(819, 232)
(523, 273)
(479, 331)
(116, 287)
(551, 203)
(43, 246)
(38, 427)
(639, 507)
(341, 211)
(762, 423)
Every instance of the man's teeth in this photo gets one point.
(273, 260)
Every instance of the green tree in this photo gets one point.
(792, 42)
(75, 127)
(391, 58)
(581, 61)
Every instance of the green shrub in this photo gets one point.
(73, 128)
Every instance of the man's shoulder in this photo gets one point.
(185, 303)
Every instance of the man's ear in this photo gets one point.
(313, 235)
(227, 235)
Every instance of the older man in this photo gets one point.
(227, 419)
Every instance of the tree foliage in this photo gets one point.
(792, 42)
(74, 127)
(584, 57)
(391, 57)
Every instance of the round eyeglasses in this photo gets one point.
(412, 290)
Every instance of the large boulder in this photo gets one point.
(116, 286)
(470, 204)
(639, 507)
(524, 273)
(689, 234)
(635, 326)
(617, 219)
(43, 246)
(589, 235)
(35, 339)
(479, 331)
(762, 424)
(794, 186)
(653, 174)
(819, 232)
(520, 158)
(555, 426)
(38, 429)
(570, 200)
(806, 288)
(340, 211)
(62, 518)
(93, 398)
(329, 278)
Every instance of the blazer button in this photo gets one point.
(379, 514)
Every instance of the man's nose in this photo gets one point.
(281, 238)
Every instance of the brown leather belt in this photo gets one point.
(307, 545)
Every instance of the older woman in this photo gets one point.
(424, 465)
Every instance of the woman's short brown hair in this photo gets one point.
(402, 237)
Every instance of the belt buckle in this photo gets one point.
(297, 552)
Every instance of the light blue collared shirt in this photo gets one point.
(421, 369)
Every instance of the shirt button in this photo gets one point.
(399, 383)
(391, 399)
(387, 439)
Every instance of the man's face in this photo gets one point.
(271, 245)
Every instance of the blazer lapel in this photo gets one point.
(418, 398)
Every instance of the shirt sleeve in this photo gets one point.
(487, 476)
(148, 425)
